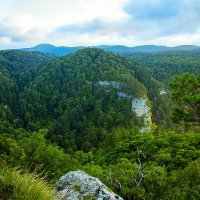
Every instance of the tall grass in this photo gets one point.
(16, 185)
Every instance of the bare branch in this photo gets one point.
(139, 176)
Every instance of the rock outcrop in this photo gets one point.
(140, 107)
(77, 185)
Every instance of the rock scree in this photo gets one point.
(77, 185)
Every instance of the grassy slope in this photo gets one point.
(23, 186)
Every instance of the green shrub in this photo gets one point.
(23, 186)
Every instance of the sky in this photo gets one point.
(26, 23)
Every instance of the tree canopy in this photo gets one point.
(75, 112)
(186, 93)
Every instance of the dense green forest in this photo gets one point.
(75, 112)
(165, 65)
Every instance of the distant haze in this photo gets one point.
(95, 22)
(62, 50)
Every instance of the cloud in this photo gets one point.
(93, 22)
(60, 12)
(153, 9)
(34, 21)
(167, 16)
(5, 40)
(81, 28)
(20, 29)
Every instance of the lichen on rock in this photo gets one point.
(77, 185)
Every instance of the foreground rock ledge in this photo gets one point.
(77, 185)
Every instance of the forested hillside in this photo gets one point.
(76, 97)
(164, 66)
(86, 111)
(13, 67)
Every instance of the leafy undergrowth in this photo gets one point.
(23, 186)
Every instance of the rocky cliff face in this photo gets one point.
(140, 107)
(77, 185)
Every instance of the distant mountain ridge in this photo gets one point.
(48, 48)
(62, 50)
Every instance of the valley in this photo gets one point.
(121, 118)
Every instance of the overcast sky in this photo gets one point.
(25, 23)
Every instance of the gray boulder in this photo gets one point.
(77, 185)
